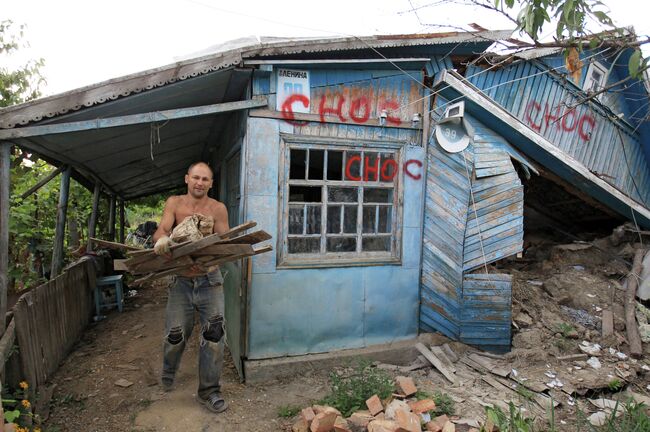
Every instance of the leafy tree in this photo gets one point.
(20, 84)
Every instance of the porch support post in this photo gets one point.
(92, 223)
(122, 221)
(111, 218)
(5, 178)
(61, 218)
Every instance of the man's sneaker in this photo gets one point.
(214, 402)
(167, 383)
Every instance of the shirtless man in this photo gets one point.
(196, 289)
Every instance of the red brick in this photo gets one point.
(341, 425)
(406, 385)
(374, 405)
(433, 427)
(308, 414)
(361, 418)
(408, 421)
(324, 408)
(441, 420)
(422, 406)
(300, 426)
(383, 426)
(323, 422)
(449, 427)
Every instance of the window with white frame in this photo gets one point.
(596, 77)
(340, 203)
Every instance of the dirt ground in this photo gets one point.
(559, 292)
(129, 346)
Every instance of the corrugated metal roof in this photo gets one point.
(220, 57)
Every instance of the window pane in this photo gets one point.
(352, 166)
(333, 219)
(350, 219)
(377, 195)
(369, 219)
(303, 245)
(305, 194)
(316, 163)
(296, 219)
(335, 165)
(385, 218)
(298, 163)
(375, 244)
(341, 244)
(388, 169)
(342, 194)
(313, 220)
(371, 167)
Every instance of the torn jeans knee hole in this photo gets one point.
(213, 330)
(175, 335)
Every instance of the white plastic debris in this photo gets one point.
(591, 295)
(645, 368)
(549, 374)
(621, 355)
(598, 309)
(514, 372)
(589, 348)
(132, 293)
(426, 417)
(535, 282)
(594, 363)
(578, 267)
(571, 401)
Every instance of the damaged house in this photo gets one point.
(391, 172)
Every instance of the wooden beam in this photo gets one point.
(92, 223)
(150, 117)
(5, 179)
(111, 218)
(122, 221)
(61, 216)
(42, 182)
(633, 337)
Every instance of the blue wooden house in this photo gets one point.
(391, 172)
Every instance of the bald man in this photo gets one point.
(197, 289)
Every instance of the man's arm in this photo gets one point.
(220, 219)
(167, 221)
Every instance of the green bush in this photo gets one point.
(287, 411)
(351, 387)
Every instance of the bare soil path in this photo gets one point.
(128, 346)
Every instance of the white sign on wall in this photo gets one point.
(293, 89)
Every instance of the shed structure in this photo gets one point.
(333, 146)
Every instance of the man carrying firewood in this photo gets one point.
(190, 217)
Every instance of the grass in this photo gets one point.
(352, 386)
(615, 385)
(288, 411)
(633, 419)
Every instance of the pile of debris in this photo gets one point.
(402, 412)
(206, 252)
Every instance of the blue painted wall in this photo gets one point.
(310, 310)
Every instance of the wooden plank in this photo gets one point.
(7, 342)
(162, 263)
(5, 186)
(238, 229)
(633, 337)
(435, 362)
(440, 354)
(157, 116)
(252, 238)
(451, 355)
(92, 222)
(490, 365)
(113, 245)
(224, 249)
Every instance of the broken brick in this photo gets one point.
(406, 385)
(422, 406)
(341, 425)
(433, 427)
(383, 426)
(441, 420)
(308, 414)
(361, 418)
(374, 405)
(449, 427)
(408, 421)
(300, 426)
(323, 422)
(325, 408)
(394, 406)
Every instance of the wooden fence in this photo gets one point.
(50, 319)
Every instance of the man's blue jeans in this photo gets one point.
(205, 295)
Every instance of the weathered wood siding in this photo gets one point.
(50, 320)
(590, 132)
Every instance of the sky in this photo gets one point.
(88, 41)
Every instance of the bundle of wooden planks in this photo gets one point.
(209, 251)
